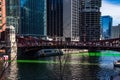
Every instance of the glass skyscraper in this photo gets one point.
(33, 17)
(106, 26)
(13, 13)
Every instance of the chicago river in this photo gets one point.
(81, 66)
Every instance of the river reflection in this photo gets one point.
(87, 66)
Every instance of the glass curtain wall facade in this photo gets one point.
(55, 18)
(106, 27)
(13, 13)
(33, 17)
(90, 20)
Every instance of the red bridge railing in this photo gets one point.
(31, 42)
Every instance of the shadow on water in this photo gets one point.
(49, 68)
(82, 66)
(34, 71)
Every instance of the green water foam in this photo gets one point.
(89, 54)
(56, 62)
(92, 54)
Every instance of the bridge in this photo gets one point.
(29, 44)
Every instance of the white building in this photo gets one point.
(115, 31)
(71, 20)
(11, 41)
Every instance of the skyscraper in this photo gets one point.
(55, 18)
(13, 13)
(71, 20)
(2, 18)
(106, 27)
(115, 32)
(90, 20)
(33, 17)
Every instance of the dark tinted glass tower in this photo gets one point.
(33, 17)
(13, 13)
(55, 18)
(90, 20)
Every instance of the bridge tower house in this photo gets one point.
(11, 45)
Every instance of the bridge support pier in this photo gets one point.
(11, 44)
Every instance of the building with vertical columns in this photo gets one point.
(55, 18)
(2, 19)
(90, 20)
(115, 31)
(71, 19)
(33, 17)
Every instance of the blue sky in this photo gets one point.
(112, 8)
(113, 1)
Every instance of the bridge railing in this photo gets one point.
(31, 42)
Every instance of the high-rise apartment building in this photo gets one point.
(71, 19)
(33, 17)
(90, 20)
(115, 32)
(2, 18)
(55, 18)
(13, 13)
(63, 19)
(106, 25)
